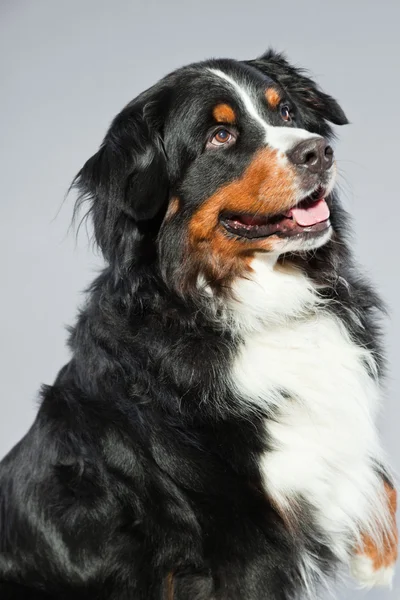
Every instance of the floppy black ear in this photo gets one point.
(126, 181)
(301, 87)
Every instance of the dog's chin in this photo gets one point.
(304, 241)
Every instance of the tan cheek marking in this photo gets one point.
(266, 187)
(387, 557)
(223, 113)
(173, 208)
(273, 97)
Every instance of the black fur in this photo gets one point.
(139, 477)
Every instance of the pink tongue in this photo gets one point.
(315, 213)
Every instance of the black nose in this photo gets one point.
(315, 154)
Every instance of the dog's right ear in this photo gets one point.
(126, 181)
(319, 109)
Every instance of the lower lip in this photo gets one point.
(310, 230)
(256, 233)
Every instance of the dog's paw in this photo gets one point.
(373, 565)
(364, 572)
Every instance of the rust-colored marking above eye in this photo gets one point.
(273, 97)
(223, 113)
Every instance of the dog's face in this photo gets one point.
(218, 161)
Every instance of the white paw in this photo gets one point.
(363, 571)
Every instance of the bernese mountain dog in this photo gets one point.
(213, 435)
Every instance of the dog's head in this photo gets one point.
(218, 161)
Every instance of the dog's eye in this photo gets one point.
(221, 137)
(285, 113)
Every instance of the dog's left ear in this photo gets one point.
(301, 88)
(126, 181)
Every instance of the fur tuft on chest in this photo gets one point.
(319, 392)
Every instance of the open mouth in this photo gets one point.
(310, 216)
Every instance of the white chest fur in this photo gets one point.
(300, 361)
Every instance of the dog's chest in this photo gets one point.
(321, 397)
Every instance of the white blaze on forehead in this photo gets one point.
(245, 98)
(280, 138)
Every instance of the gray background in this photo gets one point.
(68, 66)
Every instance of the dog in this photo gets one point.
(213, 435)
